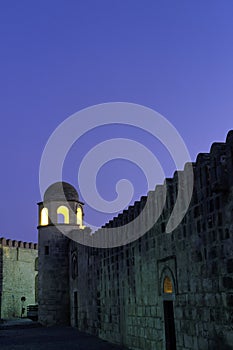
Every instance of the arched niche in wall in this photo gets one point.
(62, 215)
(74, 266)
(44, 217)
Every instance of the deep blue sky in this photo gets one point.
(58, 57)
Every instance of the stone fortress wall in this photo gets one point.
(18, 276)
(119, 293)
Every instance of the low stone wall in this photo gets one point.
(18, 273)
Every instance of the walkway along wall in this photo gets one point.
(165, 289)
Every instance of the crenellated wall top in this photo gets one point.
(17, 244)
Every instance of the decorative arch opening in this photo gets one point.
(79, 217)
(167, 283)
(44, 217)
(62, 215)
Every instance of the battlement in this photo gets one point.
(17, 244)
(212, 170)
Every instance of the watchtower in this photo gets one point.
(60, 213)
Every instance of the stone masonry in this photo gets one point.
(119, 293)
(18, 275)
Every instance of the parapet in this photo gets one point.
(216, 176)
(17, 244)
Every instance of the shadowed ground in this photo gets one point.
(53, 338)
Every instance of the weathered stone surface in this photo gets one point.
(117, 293)
(18, 276)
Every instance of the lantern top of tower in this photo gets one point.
(61, 191)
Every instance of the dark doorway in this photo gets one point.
(170, 333)
(76, 309)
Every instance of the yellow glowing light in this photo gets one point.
(167, 285)
(79, 217)
(64, 211)
(44, 217)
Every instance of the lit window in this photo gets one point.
(167, 285)
(44, 217)
(79, 217)
(62, 215)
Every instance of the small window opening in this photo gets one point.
(46, 250)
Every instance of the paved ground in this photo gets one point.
(53, 338)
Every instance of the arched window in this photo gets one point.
(62, 215)
(79, 217)
(167, 285)
(44, 217)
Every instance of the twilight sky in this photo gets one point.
(60, 56)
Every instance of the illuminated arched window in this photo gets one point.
(62, 215)
(167, 285)
(44, 217)
(79, 217)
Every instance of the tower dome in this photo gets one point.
(60, 191)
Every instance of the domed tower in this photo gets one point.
(60, 213)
